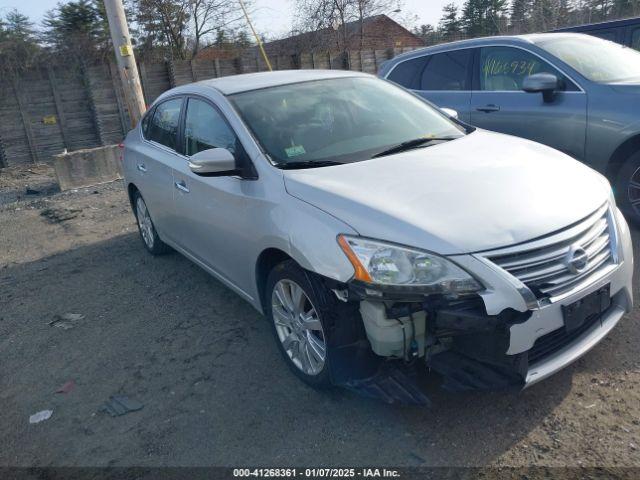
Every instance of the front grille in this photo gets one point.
(552, 342)
(542, 264)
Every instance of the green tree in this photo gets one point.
(564, 13)
(77, 28)
(427, 33)
(19, 47)
(543, 15)
(520, 13)
(242, 39)
(162, 27)
(484, 17)
(449, 26)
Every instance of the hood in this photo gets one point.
(480, 192)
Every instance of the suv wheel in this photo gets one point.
(297, 323)
(627, 188)
(147, 230)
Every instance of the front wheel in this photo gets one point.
(297, 323)
(627, 188)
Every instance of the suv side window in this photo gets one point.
(447, 71)
(635, 39)
(505, 68)
(205, 128)
(163, 127)
(407, 73)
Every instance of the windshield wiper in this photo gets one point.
(307, 164)
(410, 144)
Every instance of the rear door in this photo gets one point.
(498, 102)
(446, 81)
(155, 159)
(442, 78)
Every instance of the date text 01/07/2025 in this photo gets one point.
(316, 472)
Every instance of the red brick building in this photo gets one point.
(377, 32)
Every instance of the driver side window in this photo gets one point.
(205, 128)
(505, 68)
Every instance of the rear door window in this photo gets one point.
(163, 127)
(407, 73)
(447, 71)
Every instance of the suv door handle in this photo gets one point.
(141, 167)
(182, 186)
(489, 108)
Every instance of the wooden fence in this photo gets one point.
(51, 108)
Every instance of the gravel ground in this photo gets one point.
(214, 389)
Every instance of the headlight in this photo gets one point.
(391, 265)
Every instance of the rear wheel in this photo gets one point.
(147, 230)
(627, 188)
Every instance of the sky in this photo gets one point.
(271, 17)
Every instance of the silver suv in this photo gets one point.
(375, 232)
(574, 92)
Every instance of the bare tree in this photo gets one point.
(210, 16)
(370, 8)
(182, 26)
(315, 15)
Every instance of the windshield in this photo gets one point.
(596, 59)
(338, 120)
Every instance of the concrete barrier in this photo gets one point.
(84, 168)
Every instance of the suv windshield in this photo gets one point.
(339, 120)
(596, 59)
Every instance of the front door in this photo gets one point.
(211, 212)
(498, 102)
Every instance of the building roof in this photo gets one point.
(328, 38)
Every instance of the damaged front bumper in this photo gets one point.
(502, 337)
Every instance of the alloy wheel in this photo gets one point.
(633, 191)
(298, 327)
(144, 222)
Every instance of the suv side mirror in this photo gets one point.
(545, 83)
(214, 162)
(449, 112)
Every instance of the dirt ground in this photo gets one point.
(214, 389)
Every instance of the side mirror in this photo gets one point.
(545, 83)
(215, 162)
(449, 112)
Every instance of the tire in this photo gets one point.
(627, 188)
(299, 327)
(147, 230)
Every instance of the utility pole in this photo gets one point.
(125, 59)
(258, 41)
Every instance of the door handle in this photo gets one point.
(182, 186)
(141, 167)
(489, 108)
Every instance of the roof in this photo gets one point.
(478, 42)
(255, 81)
